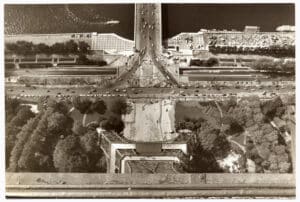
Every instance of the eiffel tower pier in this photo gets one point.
(142, 149)
(148, 75)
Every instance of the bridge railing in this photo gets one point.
(197, 185)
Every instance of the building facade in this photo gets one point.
(109, 42)
(250, 38)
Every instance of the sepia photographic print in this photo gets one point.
(149, 100)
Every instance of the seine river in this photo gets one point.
(116, 18)
(119, 18)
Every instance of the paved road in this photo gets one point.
(147, 41)
(154, 40)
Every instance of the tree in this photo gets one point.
(82, 60)
(227, 104)
(212, 62)
(102, 164)
(24, 48)
(221, 146)
(89, 142)
(269, 108)
(32, 157)
(11, 108)
(78, 128)
(22, 138)
(233, 126)
(71, 47)
(120, 106)
(279, 149)
(284, 167)
(22, 116)
(58, 106)
(203, 161)
(42, 48)
(83, 47)
(68, 155)
(263, 151)
(113, 123)
(98, 106)
(14, 127)
(10, 139)
(82, 104)
(58, 48)
(57, 123)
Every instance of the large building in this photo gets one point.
(187, 40)
(49, 39)
(250, 37)
(109, 42)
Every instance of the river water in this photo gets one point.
(116, 18)
(20, 19)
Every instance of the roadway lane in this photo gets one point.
(152, 28)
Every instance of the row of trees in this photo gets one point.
(278, 66)
(47, 143)
(210, 62)
(265, 145)
(274, 50)
(15, 119)
(52, 141)
(110, 117)
(86, 106)
(28, 48)
(118, 106)
(83, 60)
(206, 145)
(250, 116)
